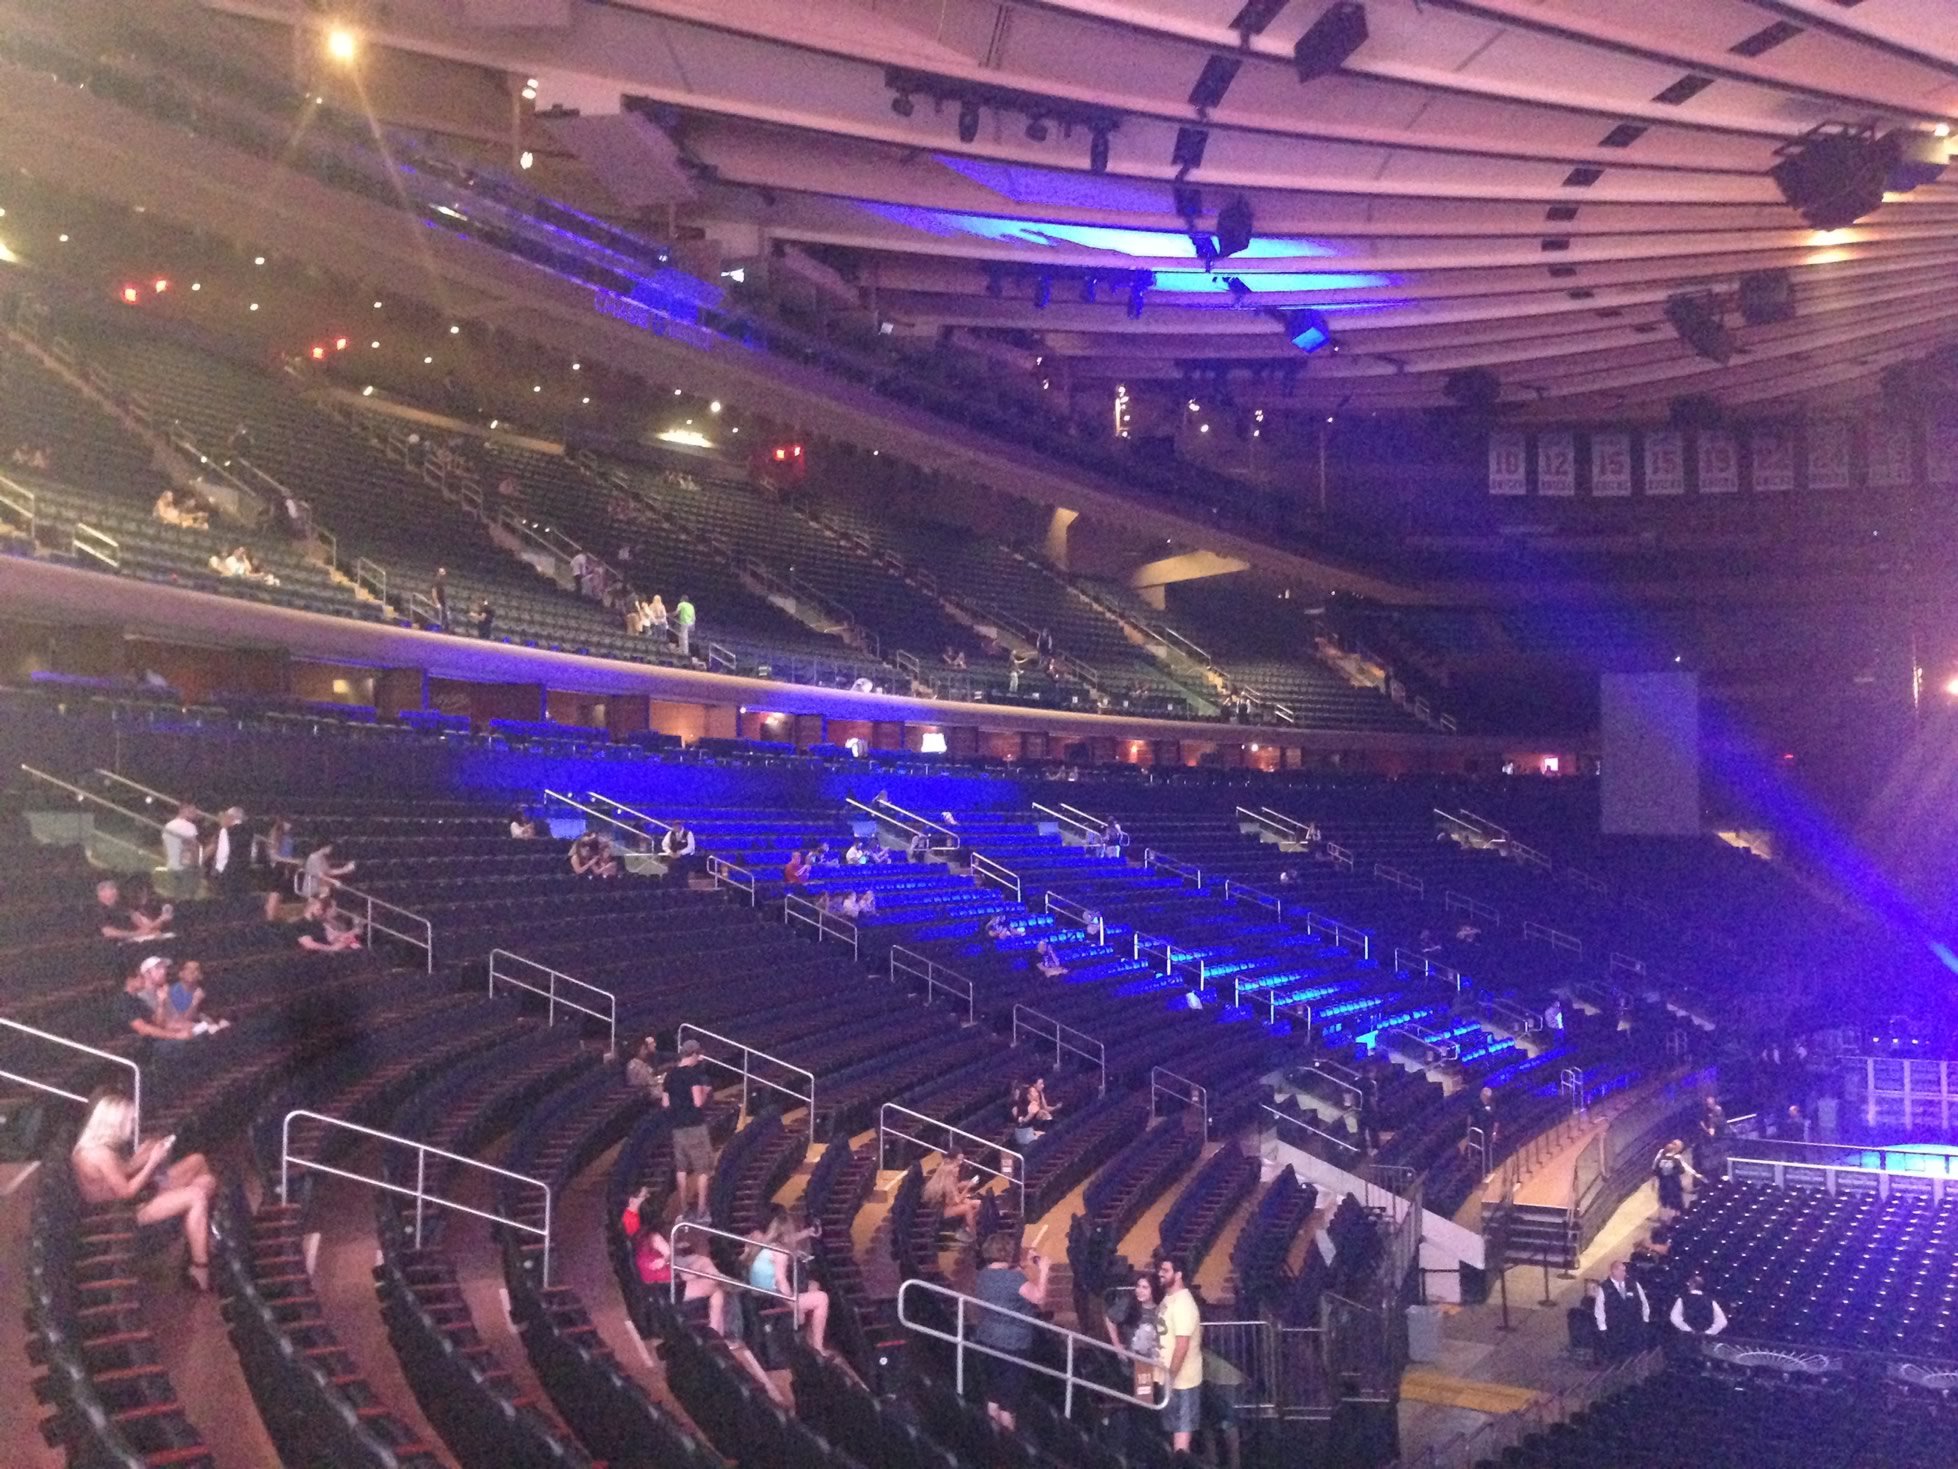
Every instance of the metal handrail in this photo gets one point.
(1152, 859)
(1342, 934)
(1407, 961)
(419, 1193)
(1164, 1082)
(675, 1269)
(729, 874)
(827, 924)
(153, 795)
(881, 805)
(1281, 825)
(1233, 889)
(99, 544)
(1065, 1038)
(936, 977)
(22, 501)
(720, 659)
(1093, 832)
(1555, 937)
(135, 1072)
(1008, 880)
(592, 811)
(85, 795)
(634, 812)
(1295, 1121)
(1053, 902)
(610, 1014)
(1400, 879)
(932, 843)
(1171, 955)
(1454, 902)
(1013, 1174)
(426, 942)
(1067, 1376)
(748, 1077)
(1343, 857)
(372, 575)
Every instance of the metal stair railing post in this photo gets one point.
(599, 798)
(877, 808)
(1012, 1173)
(798, 909)
(135, 1072)
(149, 796)
(89, 541)
(1084, 826)
(1053, 902)
(610, 1014)
(936, 977)
(372, 925)
(985, 868)
(1288, 1120)
(419, 1193)
(1072, 1341)
(1164, 1082)
(937, 838)
(727, 1282)
(1152, 859)
(23, 502)
(92, 799)
(746, 1071)
(728, 874)
(1065, 1038)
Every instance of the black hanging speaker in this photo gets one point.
(1330, 40)
(1834, 178)
(1767, 296)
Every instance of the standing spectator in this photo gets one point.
(1696, 1313)
(1622, 1313)
(112, 1165)
(1369, 1107)
(182, 843)
(640, 1073)
(1139, 1313)
(582, 566)
(484, 618)
(438, 596)
(318, 874)
(1179, 1333)
(683, 617)
(1484, 1118)
(230, 851)
(686, 1095)
(1012, 1294)
(655, 620)
(1672, 1170)
(1710, 1142)
(1794, 1124)
(795, 872)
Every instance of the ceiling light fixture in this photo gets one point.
(342, 44)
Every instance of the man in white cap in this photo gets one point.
(146, 1011)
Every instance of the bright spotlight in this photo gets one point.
(131, 295)
(342, 44)
(525, 159)
(1951, 686)
(715, 406)
(160, 285)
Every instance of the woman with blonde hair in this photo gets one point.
(112, 1165)
(769, 1248)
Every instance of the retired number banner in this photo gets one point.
(1556, 463)
(1665, 462)
(1508, 474)
(1719, 459)
(1611, 465)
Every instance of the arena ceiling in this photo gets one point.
(1512, 185)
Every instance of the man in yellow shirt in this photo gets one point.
(1179, 1342)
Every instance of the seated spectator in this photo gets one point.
(125, 925)
(849, 906)
(819, 855)
(678, 847)
(795, 872)
(770, 1269)
(952, 1193)
(162, 1034)
(1047, 961)
(319, 875)
(165, 508)
(856, 854)
(866, 903)
(183, 1000)
(112, 1165)
(999, 928)
(323, 929)
(522, 827)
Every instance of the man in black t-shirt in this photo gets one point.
(686, 1095)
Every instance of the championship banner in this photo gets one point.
(1508, 474)
(1892, 446)
(1772, 448)
(1556, 463)
(1665, 462)
(1828, 454)
(1611, 465)
(1941, 451)
(1719, 464)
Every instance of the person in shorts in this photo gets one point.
(685, 1096)
(1179, 1337)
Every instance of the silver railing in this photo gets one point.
(149, 795)
(937, 838)
(1555, 937)
(420, 1192)
(1090, 921)
(1287, 1119)
(552, 980)
(135, 1071)
(882, 808)
(1082, 826)
(984, 869)
(1342, 857)
(936, 977)
(151, 855)
(1454, 902)
(600, 799)
(394, 915)
(1166, 1083)
(1067, 1040)
(728, 874)
(1235, 891)
(1284, 827)
(677, 1268)
(720, 659)
(1072, 1342)
(1406, 881)
(88, 541)
(592, 813)
(371, 576)
(749, 1076)
(1152, 859)
(1012, 1169)
(1343, 935)
(1150, 945)
(1406, 961)
(20, 500)
(828, 925)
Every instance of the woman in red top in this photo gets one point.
(652, 1254)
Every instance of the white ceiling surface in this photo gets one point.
(1425, 168)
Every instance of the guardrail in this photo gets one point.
(1342, 857)
(549, 989)
(1406, 961)
(1152, 859)
(1235, 890)
(1166, 1083)
(86, 540)
(150, 855)
(1072, 1342)
(419, 1193)
(135, 1072)
(828, 925)
(986, 870)
(592, 813)
(600, 799)
(425, 940)
(1625, 963)
(1555, 937)
(1454, 902)
(679, 1269)
(938, 838)
(1342, 934)
(1087, 827)
(1013, 1173)
(936, 977)
(1150, 945)
(1579, 878)
(720, 659)
(727, 874)
(1280, 825)
(1517, 1017)
(1437, 1049)
(1489, 1442)
(1053, 902)
(1066, 1039)
(1286, 1119)
(23, 502)
(1406, 881)
(150, 796)
(746, 1070)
